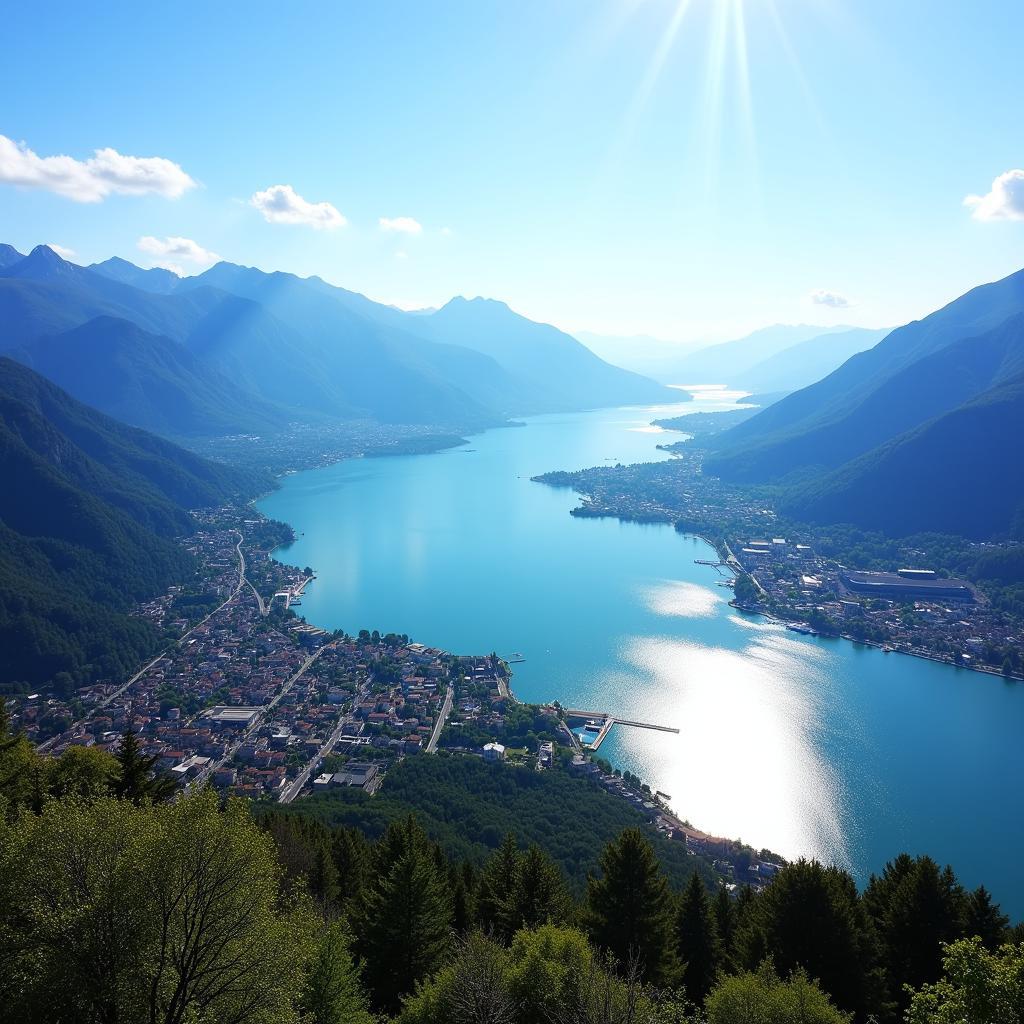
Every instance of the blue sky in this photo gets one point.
(621, 166)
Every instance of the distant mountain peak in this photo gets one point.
(9, 255)
(42, 261)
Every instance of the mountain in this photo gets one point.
(368, 363)
(504, 361)
(44, 294)
(148, 381)
(314, 349)
(862, 404)
(88, 512)
(156, 279)
(724, 362)
(959, 473)
(9, 255)
(559, 372)
(808, 361)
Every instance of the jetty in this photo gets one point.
(604, 722)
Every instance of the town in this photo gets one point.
(250, 699)
(797, 573)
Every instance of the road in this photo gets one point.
(441, 719)
(44, 746)
(201, 778)
(293, 789)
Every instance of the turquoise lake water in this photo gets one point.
(807, 746)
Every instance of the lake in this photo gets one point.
(806, 746)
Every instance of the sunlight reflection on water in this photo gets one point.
(770, 773)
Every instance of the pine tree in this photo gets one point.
(629, 909)
(497, 888)
(136, 781)
(810, 917)
(916, 907)
(725, 922)
(352, 856)
(697, 940)
(333, 994)
(539, 896)
(323, 877)
(984, 919)
(403, 927)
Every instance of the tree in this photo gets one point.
(983, 918)
(762, 998)
(629, 909)
(137, 779)
(497, 887)
(916, 907)
(403, 926)
(979, 986)
(810, 918)
(697, 940)
(539, 896)
(167, 913)
(725, 922)
(332, 993)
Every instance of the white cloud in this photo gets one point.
(105, 173)
(171, 252)
(1004, 201)
(62, 250)
(403, 225)
(281, 204)
(822, 297)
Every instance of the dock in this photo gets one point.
(607, 721)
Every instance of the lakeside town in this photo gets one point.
(250, 699)
(779, 569)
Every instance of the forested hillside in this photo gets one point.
(88, 514)
(468, 807)
(117, 903)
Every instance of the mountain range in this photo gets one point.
(238, 350)
(917, 433)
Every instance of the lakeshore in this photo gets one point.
(807, 746)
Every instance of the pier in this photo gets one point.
(607, 721)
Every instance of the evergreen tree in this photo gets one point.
(916, 907)
(351, 854)
(539, 896)
(810, 917)
(462, 884)
(323, 877)
(497, 887)
(137, 779)
(629, 909)
(697, 941)
(333, 994)
(984, 919)
(403, 926)
(725, 922)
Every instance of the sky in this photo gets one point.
(682, 169)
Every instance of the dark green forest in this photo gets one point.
(120, 904)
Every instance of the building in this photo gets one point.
(357, 774)
(226, 717)
(494, 752)
(906, 585)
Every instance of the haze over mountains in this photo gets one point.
(781, 357)
(919, 433)
(239, 350)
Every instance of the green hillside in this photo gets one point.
(88, 513)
